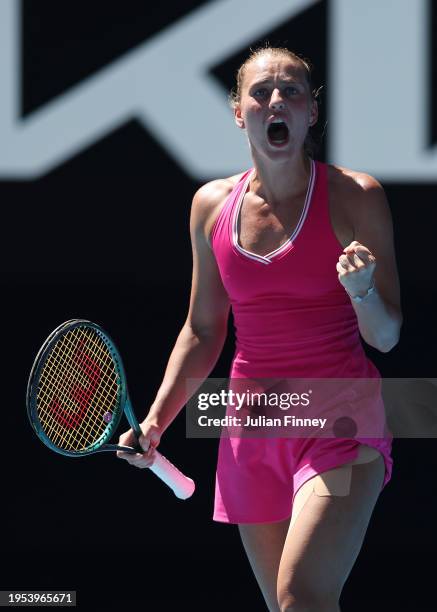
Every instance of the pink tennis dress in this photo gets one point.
(293, 319)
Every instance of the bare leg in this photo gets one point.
(326, 536)
(264, 543)
(365, 455)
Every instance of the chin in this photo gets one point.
(266, 150)
(286, 150)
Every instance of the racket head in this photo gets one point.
(77, 389)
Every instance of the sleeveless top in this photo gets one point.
(292, 316)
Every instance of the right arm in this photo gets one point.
(202, 336)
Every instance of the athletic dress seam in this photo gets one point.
(277, 253)
(228, 204)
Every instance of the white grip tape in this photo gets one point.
(182, 486)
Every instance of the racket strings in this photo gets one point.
(62, 418)
(68, 380)
(82, 396)
(68, 416)
(67, 407)
(78, 390)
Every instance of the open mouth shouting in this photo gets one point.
(277, 133)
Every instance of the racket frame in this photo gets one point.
(123, 402)
(182, 486)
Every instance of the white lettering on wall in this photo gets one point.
(377, 89)
(163, 82)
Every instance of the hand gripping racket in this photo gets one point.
(77, 393)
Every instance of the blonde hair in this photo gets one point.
(310, 145)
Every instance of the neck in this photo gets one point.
(279, 182)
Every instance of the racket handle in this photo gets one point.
(182, 486)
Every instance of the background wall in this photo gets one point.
(95, 225)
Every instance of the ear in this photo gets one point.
(314, 113)
(238, 118)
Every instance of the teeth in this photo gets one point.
(277, 120)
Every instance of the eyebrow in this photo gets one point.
(268, 80)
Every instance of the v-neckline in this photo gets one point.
(288, 244)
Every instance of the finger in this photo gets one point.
(365, 259)
(137, 459)
(144, 443)
(357, 260)
(128, 456)
(359, 249)
(354, 245)
(363, 251)
(126, 438)
(143, 462)
(150, 452)
(345, 262)
(150, 441)
(123, 455)
(155, 438)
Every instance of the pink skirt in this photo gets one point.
(257, 478)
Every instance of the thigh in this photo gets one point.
(264, 543)
(365, 455)
(327, 533)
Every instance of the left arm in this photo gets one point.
(370, 258)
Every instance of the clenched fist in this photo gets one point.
(355, 268)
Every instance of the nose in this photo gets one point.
(276, 101)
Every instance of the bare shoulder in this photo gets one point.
(344, 181)
(208, 202)
(357, 195)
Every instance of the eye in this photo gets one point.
(261, 92)
(291, 90)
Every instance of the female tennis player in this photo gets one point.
(303, 253)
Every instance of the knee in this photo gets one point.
(307, 600)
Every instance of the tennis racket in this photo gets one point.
(77, 393)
